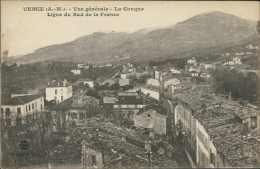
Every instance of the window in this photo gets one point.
(212, 157)
(55, 97)
(2, 111)
(18, 110)
(29, 107)
(93, 161)
(33, 106)
(26, 109)
(41, 106)
(254, 121)
(56, 91)
(7, 112)
(148, 115)
(61, 90)
(61, 98)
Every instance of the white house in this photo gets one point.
(231, 63)
(88, 81)
(153, 82)
(192, 61)
(174, 71)
(172, 81)
(14, 110)
(152, 91)
(208, 66)
(76, 71)
(237, 61)
(151, 119)
(109, 65)
(59, 91)
(123, 81)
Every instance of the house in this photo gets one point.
(194, 73)
(151, 117)
(174, 71)
(58, 91)
(82, 65)
(250, 46)
(172, 89)
(158, 74)
(19, 93)
(192, 61)
(129, 103)
(109, 65)
(208, 66)
(108, 101)
(237, 61)
(153, 82)
(14, 110)
(123, 81)
(86, 81)
(168, 80)
(76, 71)
(151, 91)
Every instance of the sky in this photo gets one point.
(23, 32)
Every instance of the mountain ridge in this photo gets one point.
(196, 33)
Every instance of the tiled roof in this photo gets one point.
(130, 100)
(20, 100)
(221, 125)
(149, 107)
(63, 106)
(108, 137)
(83, 101)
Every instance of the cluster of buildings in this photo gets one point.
(102, 144)
(216, 131)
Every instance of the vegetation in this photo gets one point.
(36, 75)
(240, 86)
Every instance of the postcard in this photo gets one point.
(129, 84)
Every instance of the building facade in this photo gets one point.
(15, 110)
(58, 91)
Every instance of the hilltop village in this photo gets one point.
(187, 113)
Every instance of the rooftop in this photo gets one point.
(20, 92)
(151, 87)
(221, 124)
(20, 100)
(58, 84)
(110, 100)
(108, 138)
(129, 100)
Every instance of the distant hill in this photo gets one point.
(213, 29)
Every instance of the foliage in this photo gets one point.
(92, 93)
(240, 86)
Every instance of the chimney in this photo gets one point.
(58, 84)
(64, 83)
(48, 83)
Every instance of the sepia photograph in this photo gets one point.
(130, 84)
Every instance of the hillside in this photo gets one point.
(194, 34)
